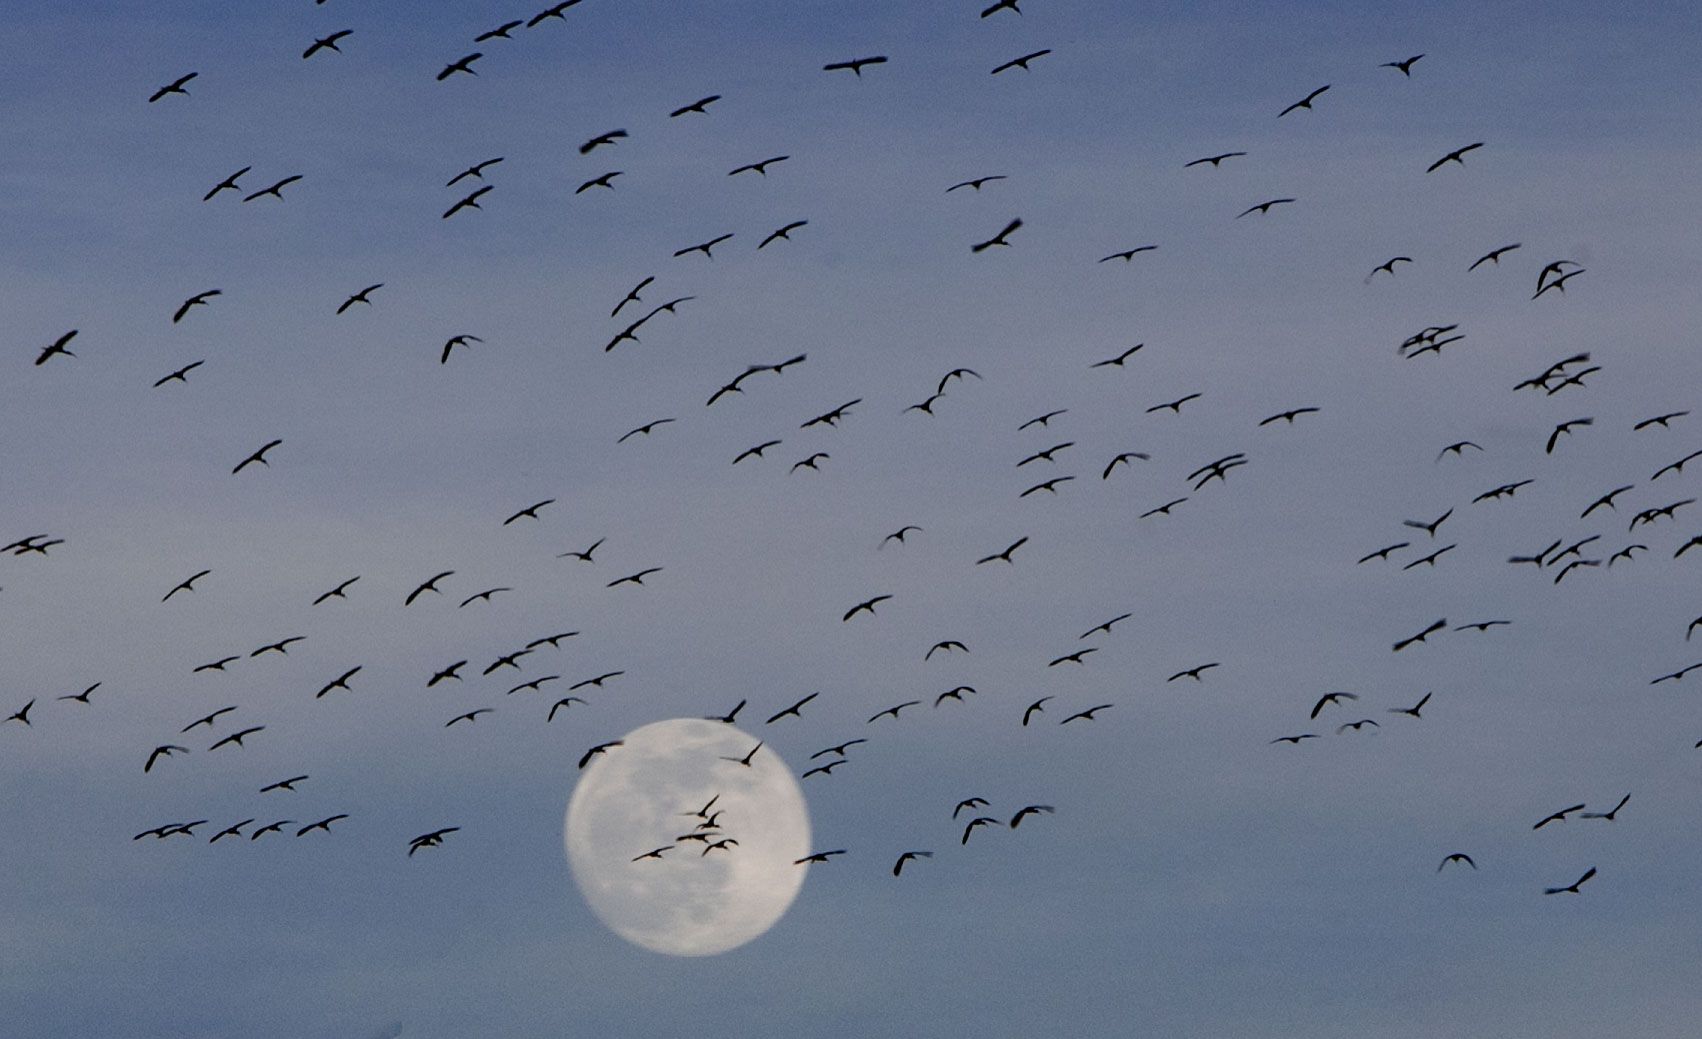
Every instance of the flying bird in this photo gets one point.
(181, 375)
(1087, 715)
(1028, 810)
(1405, 65)
(1454, 156)
(258, 456)
(700, 106)
(1022, 62)
(471, 201)
(637, 578)
(323, 824)
(462, 64)
(1457, 857)
(898, 867)
(704, 247)
(237, 737)
(1305, 102)
(1608, 815)
(186, 585)
(759, 168)
(604, 181)
(165, 750)
(1263, 207)
(476, 171)
(228, 184)
(998, 239)
(174, 87)
(644, 429)
(1492, 256)
(797, 707)
(500, 32)
(1006, 554)
(1572, 888)
(1128, 255)
(276, 190)
(782, 233)
(1214, 160)
(1193, 672)
(856, 65)
(1420, 637)
(976, 183)
(867, 604)
(56, 347)
(1331, 698)
(327, 43)
(428, 586)
(601, 139)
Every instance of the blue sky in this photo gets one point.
(1196, 880)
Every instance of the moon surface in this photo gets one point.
(644, 794)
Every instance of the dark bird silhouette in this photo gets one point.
(867, 604)
(237, 737)
(637, 578)
(1388, 265)
(1414, 709)
(234, 830)
(338, 591)
(998, 239)
(783, 232)
(186, 585)
(755, 452)
(1356, 726)
(1087, 715)
(1078, 657)
(1022, 62)
(359, 297)
(208, 720)
(471, 201)
(1106, 627)
(1566, 427)
(1625, 554)
(180, 375)
(327, 43)
(601, 139)
(82, 697)
(1047, 485)
(1263, 207)
(1296, 739)
(1110, 362)
(506, 660)
(165, 750)
(449, 346)
(1676, 467)
(1028, 810)
(1164, 509)
(276, 190)
(1305, 102)
(469, 716)
(746, 760)
(554, 11)
(1606, 499)
(1431, 558)
(1457, 857)
(198, 300)
(1034, 708)
(1482, 625)
(1572, 888)
(430, 840)
(598, 681)
(604, 181)
(485, 595)
(704, 247)
(1193, 672)
(217, 665)
(729, 717)
(535, 685)
(566, 701)
(1457, 448)
(820, 856)
(1558, 283)
(463, 64)
(1556, 817)
(1176, 407)
(894, 710)
(280, 647)
(428, 586)
(823, 770)
(1006, 554)
(948, 645)
(1128, 255)
(258, 456)
(174, 87)
(1659, 420)
(1421, 636)
(1675, 675)
(840, 749)
(1288, 416)
(832, 417)
(980, 820)
(283, 784)
(759, 168)
(927, 405)
(584, 556)
(228, 184)
(476, 171)
(500, 32)
(1330, 698)
(1383, 553)
(644, 429)
(795, 708)
(1492, 256)
(969, 802)
(898, 867)
(856, 65)
(700, 106)
(452, 671)
(1214, 160)
(1506, 490)
(530, 511)
(323, 824)
(277, 827)
(56, 347)
(976, 183)
(1457, 155)
(632, 296)
(1608, 815)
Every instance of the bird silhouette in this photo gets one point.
(856, 65)
(174, 87)
(259, 456)
(1022, 62)
(1305, 102)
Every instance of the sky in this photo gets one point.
(1196, 879)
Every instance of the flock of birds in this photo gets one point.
(232, 728)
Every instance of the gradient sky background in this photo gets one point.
(1196, 880)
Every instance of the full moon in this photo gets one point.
(680, 848)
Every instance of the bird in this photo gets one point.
(823, 770)
(1566, 427)
(1356, 726)
(82, 697)
(1296, 739)
(603, 181)
(998, 239)
(258, 456)
(820, 856)
(1457, 857)
(337, 592)
(1492, 256)
(165, 750)
(1033, 709)
(1388, 265)
(1331, 698)
(1606, 499)
(704, 247)
(759, 168)
(1128, 255)
(1175, 406)
(566, 701)
(1420, 637)
(856, 65)
(237, 737)
(530, 511)
(1659, 420)
(554, 11)
(584, 556)
(898, 867)
(1555, 817)
(476, 171)
(228, 184)
(598, 681)
(1073, 658)
(327, 43)
(729, 717)
(1608, 815)
(234, 830)
(461, 340)
(462, 64)
(1105, 627)
(276, 190)
(1046, 485)
(22, 714)
(470, 716)
(980, 820)
(197, 300)
(976, 183)
(277, 827)
(795, 708)
(506, 660)
(181, 375)
(601, 139)
(1193, 672)
(637, 578)
(1028, 810)
(1454, 156)
(839, 749)
(644, 429)
(1573, 887)
(217, 665)
(893, 710)
(654, 853)
(1113, 362)
(1383, 553)
(1087, 715)
(700, 106)
(1676, 467)
(1288, 416)
(1558, 283)
(1414, 709)
(868, 605)
(283, 784)
(56, 347)
(947, 645)
(186, 585)
(359, 297)
(1482, 625)
(1457, 448)
(1162, 509)
(1405, 65)
(1006, 554)
(340, 682)
(755, 452)
(500, 32)
(323, 824)
(1214, 160)
(746, 760)
(471, 201)
(782, 233)
(1263, 207)
(1675, 675)
(428, 586)
(1043, 420)
(430, 840)
(1022, 62)
(208, 720)
(1305, 102)
(174, 87)
(447, 673)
